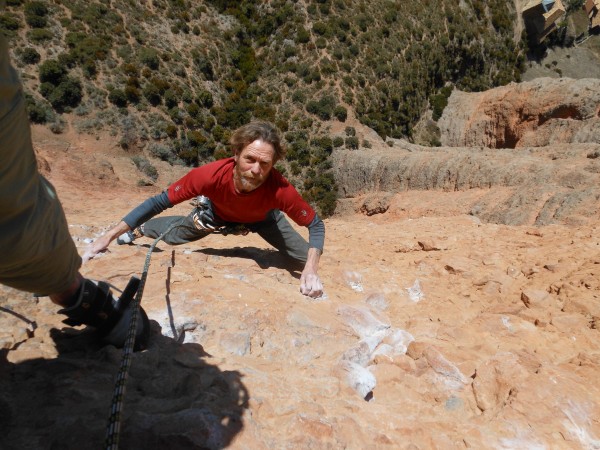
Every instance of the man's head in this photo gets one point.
(253, 131)
(257, 148)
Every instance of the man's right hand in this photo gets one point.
(100, 245)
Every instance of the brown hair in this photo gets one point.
(252, 131)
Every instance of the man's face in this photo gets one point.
(252, 165)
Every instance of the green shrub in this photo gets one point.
(144, 166)
(35, 14)
(352, 142)
(36, 8)
(51, 71)
(149, 57)
(36, 21)
(152, 94)
(118, 98)
(338, 141)
(38, 112)
(204, 98)
(161, 151)
(322, 29)
(204, 66)
(9, 24)
(58, 125)
(295, 168)
(439, 102)
(67, 94)
(171, 131)
(171, 98)
(132, 94)
(340, 113)
(29, 55)
(323, 108)
(302, 36)
(39, 35)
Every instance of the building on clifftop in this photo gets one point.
(541, 17)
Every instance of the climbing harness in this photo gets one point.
(205, 219)
(114, 421)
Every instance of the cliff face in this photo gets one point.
(538, 113)
(522, 154)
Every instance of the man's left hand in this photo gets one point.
(311, 285)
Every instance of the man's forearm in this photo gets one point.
(312, 260)
(117, 230)
(147, 209)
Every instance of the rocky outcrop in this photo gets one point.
(557, 184)
(530, 150)
(538, 113)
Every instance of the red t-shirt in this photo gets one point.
(215, 181)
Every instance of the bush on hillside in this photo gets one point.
(9, 24)
(144, 166)
(39, 35)
(29, 55)
(38, 112)
(35, 14)
(67, 94)
(351, 142)
(340, 113)
(51, 71)
(118, 98)
(149, 57)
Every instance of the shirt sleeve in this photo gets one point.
(148, 209)
(291, 203)
(316, 233)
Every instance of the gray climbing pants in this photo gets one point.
(275, 229)
(37, 253)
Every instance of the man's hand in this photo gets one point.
(101, 244)
(310, 284)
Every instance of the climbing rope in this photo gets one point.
(114, 421)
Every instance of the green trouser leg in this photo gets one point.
(38, 253)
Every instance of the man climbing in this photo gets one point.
(235, 195)
(38, 254)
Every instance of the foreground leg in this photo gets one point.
(95, 305)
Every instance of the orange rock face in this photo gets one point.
(439, 329)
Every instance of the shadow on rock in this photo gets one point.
(174, 399)
(264, 258)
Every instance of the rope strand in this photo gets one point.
(114, 421)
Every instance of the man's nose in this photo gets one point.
(255, 169)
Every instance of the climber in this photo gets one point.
(236, 195)
(38, 254)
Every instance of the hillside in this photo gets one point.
(171, 78)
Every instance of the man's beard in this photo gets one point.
(246, 181)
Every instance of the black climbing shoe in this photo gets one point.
(97, 307)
